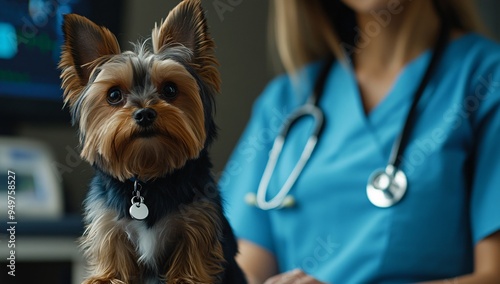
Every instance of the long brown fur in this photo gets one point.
(177, 243)
(124, 156)
(109, 253)
(186, 121)
(196, 259)
(198, 256)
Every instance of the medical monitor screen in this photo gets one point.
(30, 41)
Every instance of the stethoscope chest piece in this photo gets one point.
(386, 187)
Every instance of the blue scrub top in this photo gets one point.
(452, 163)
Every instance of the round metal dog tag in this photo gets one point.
(139, 211)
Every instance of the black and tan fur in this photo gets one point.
(185, 238)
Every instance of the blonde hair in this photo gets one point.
(303, 31)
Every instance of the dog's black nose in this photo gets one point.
(145, 116)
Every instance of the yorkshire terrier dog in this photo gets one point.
(153, 213)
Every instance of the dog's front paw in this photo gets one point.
(186, 280)
(102, 280)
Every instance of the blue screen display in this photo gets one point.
(30, 41)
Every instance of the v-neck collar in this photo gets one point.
(401, 91)
(388, 116)
(385, 121)
(405, 84)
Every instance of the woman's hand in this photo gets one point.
(296, 276)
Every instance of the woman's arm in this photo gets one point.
(257, 263)
(486, 268)
(296, 276)
(487, 263)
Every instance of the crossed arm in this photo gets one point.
(260, 265)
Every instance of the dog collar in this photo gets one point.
(134, 179)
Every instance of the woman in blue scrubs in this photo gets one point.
(446, 228)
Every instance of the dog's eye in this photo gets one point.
(115, 96)
(169, 91)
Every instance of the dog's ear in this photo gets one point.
(84, 43)
(186, 25)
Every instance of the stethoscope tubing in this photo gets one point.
(381, 196)
(387, 186)
(306, 110)
(402, 139)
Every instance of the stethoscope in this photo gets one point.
(385, 186)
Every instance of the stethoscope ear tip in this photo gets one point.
(288, 202)
(251, 199)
